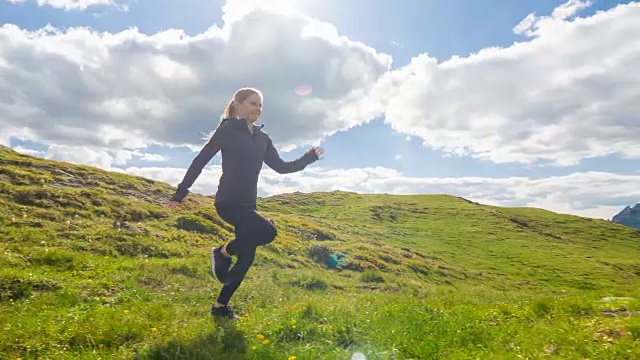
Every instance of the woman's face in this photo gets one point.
(250, 109)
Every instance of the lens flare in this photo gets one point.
(303, 89)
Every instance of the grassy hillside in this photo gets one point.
(93, 266)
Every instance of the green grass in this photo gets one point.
(92, 266)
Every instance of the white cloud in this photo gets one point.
(563, 12)
(152, 157)
(83, 156)
(27, 151)
(569, 93)
(589, 194)
(396, 44)
(100, 157)
(74, 4)
(234, 10)
(569, 9)
(129, 90)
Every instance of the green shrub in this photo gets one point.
(370, 275)
(320, 253)
(197, 224)
(15, 288)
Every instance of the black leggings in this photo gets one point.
(251, 230)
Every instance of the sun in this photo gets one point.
(287, 7)
(238, 8)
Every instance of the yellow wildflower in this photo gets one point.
(260, 337)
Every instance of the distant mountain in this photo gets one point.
(629, 216)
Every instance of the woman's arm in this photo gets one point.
(211, 148)
(273, 159)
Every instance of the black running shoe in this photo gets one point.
(224, 312)
(220, 264)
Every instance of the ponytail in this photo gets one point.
(230, 110)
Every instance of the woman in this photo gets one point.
(244, 148)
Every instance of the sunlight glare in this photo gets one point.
(236, 9)
(303, 89)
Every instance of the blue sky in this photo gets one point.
(402, 29)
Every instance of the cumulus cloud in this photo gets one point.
(81, 87)
(569, 92)
(27, 151)
(74, 4)
(234, 10)
(99, 157)
(590, 194)
(83, 156)
(152, 157)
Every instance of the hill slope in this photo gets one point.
(93, 266)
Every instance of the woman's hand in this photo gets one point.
(317, 150)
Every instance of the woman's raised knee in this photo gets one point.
(270, 232)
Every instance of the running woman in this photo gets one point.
(244, 147)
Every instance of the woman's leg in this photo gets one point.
(220, 257)
(252, 230)
(246, 255)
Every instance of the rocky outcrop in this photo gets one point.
(629, 216)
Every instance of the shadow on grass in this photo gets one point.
(227, 341)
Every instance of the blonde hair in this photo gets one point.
(240, 96)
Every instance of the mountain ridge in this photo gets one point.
(629, 216)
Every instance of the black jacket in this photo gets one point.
(242, 156)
